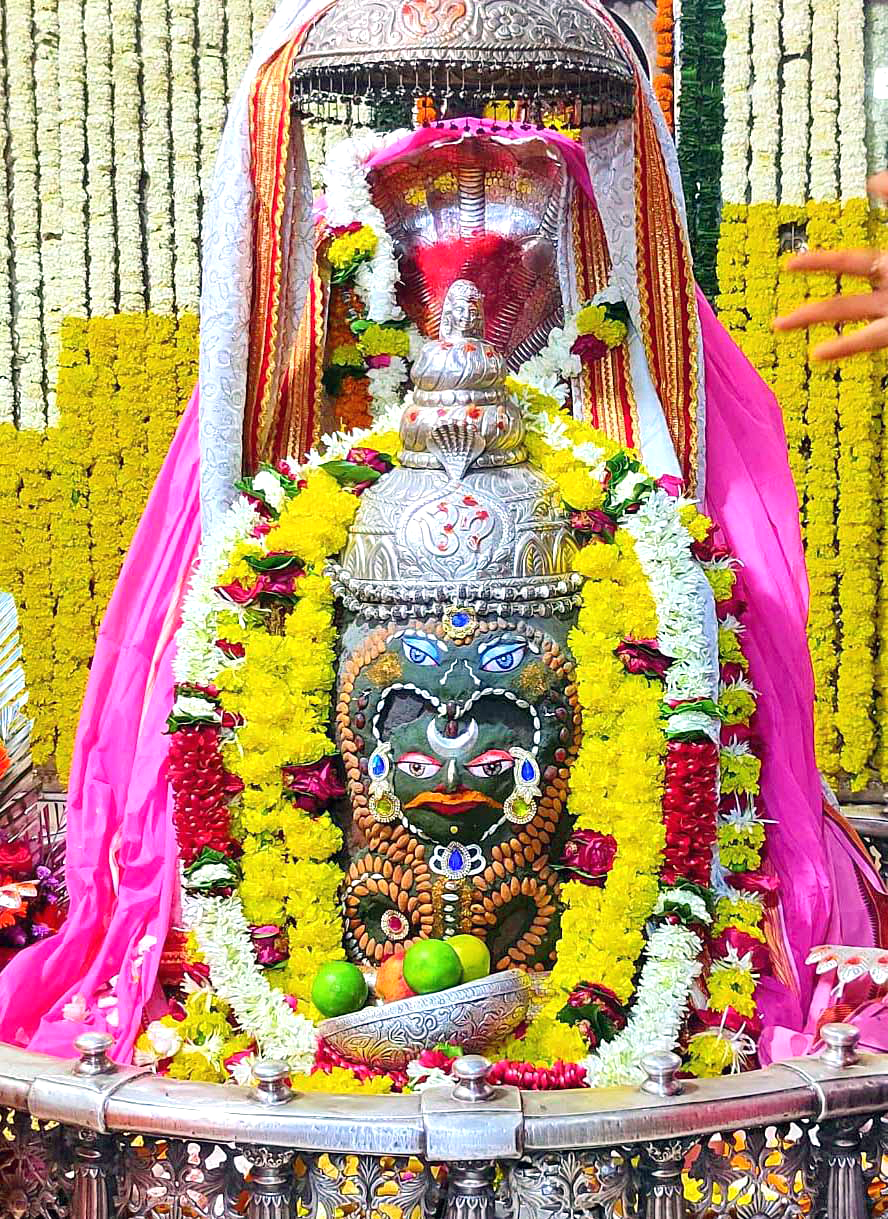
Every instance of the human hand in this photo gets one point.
(869, 307)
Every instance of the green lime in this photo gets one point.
(339, 987)
(431, 965)
(474, 955)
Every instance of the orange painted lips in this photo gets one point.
(452, 804)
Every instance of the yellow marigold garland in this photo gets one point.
(282, 690)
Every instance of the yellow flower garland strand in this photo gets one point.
(283, 689)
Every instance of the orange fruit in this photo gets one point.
(390, 983)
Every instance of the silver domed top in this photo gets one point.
(464, 53)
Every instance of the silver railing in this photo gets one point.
(90, 1140)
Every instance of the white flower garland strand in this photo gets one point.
(156, 154)
(101, 238)
(25, 200)
(685, 606)
(7, 382)
(46, 95)
(223, 936)
(183, 121)
(736, 91)
(127, 156)
(824, 99)
(852, 100)
(211, 86)
(795, 31)
(765, 101)
(239, 39)
(197, 658)
(72, 141)
(551, 369)
(664, 987)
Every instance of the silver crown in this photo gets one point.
(464, 519)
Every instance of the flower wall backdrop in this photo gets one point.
(794, 170)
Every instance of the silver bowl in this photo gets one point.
(472, 1016)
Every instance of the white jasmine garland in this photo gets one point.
(685, 606)
(684, 897)
(550, 370)
(223, 936)
(197, 658)
(156, 154)
(46, 94)
(876, 107)
(852, 100)
(267, 483)
(101, 237)
(211, 85)
(183, 123)
(664, 987)
(736, 92)
(795, 29)
(125, 68)
(765, 105)
(25, 199)
(824, 99)
(7, 387)
(239, 38)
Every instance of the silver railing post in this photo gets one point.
(846, 1196)
(470, 1185)
(271, 1168)
(93, 1152)
(662, 1163)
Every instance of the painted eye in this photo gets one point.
(503, 657)
(420, 650)
(418, 765)
(490, 764)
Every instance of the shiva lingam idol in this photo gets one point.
(457, 713)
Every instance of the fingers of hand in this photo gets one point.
(878, 184)
(838, 262)
(870, 338)
(861, 308)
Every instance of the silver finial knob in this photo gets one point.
(271, 1077)
(470, 1072)
(841, 1044)
(93, 1050)
(661, 1067)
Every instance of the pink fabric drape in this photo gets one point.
(121, 854)
(751, 494)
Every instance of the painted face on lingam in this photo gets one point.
(457, 716)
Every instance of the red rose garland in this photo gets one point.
(201, 791)
(690, 806)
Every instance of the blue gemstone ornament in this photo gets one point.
(377, 766)
(455, 861)
(528, 771)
